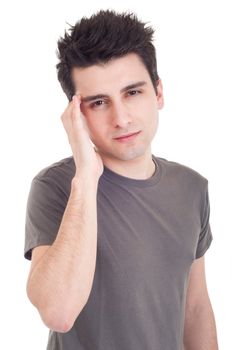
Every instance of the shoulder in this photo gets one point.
(62, 166)
(57, 175)
(182, 174)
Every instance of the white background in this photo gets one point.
(193, 43)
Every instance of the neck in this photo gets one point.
(140, 168)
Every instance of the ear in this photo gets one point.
(159, 96)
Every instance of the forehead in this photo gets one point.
(113, 75)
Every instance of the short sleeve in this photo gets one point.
(205, 236)
(44, 212)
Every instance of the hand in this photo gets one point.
(86, 158)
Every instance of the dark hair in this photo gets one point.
(104, 36)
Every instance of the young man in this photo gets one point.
(117, 235)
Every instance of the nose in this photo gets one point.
(120, 115)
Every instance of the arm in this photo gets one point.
(199, 326)
(61, 281)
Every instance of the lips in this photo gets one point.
(123, 136)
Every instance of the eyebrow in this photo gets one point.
(128, 87)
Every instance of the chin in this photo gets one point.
(132, 153)
(125, 153)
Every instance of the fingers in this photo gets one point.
(77, 101)
(76, 112)
(72, 117)
(77, 97)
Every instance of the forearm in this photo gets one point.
(200, 330)
(60, 283)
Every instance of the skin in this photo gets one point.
(120, 113)
(103, 119)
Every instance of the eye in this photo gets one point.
(96, 104)
(134, 92)
(99, 103)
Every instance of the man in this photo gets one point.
(116, 235)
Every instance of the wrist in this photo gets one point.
(85, 180)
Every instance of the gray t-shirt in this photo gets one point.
(149, 233)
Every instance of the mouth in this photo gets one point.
(128, 137)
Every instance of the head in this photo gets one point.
(102, 55)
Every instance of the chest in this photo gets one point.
(145, 241)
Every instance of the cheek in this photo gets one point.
(96, 130)
(85, 114)
(154, 124)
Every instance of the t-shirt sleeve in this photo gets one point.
(44, 211)
(205, 236)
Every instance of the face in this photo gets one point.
(123, 107)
